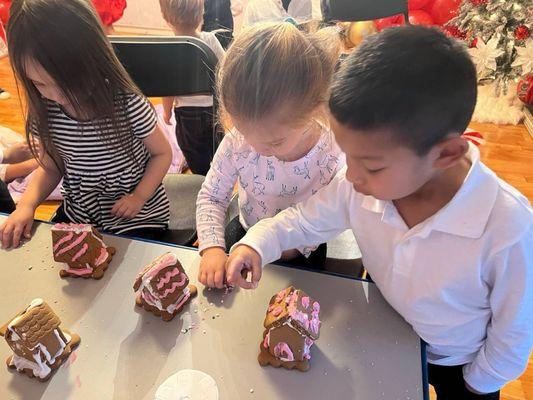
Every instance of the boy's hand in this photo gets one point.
(242, 260)
(18, 224)
(17, 153)
(212, 267)
(128, 206)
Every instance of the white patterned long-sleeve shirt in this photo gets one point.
(266, 185)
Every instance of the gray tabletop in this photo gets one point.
(365, 351)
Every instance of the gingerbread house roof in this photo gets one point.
(155, 267)
(296, 307)
(34, 323)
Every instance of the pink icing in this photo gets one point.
(185, 297)
(80, 271)
(281, 295)
(102, 257)
(76, 242)
(314, 325)
(65, 226)
(82, 251)
(163, 261)
(146, 295)
(316, 306)
(64, 239)
(170, 290)
(166, 279)
(305, 301)
(266, 340)
(283, 352)
(277, 311)
(307, 348)
(302, 318)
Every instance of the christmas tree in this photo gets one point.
(498, 33)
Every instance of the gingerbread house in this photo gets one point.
(39, 344)
(82, 248)
(292, 325)
(162, 287)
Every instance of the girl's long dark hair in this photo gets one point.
(66, 39)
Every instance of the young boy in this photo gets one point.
(448, 243)
(194, 114)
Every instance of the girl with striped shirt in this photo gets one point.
(96, 130)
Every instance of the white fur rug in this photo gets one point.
(501, 110)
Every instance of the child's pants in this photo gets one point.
(449, 384)
(7, 205)
(196, 137)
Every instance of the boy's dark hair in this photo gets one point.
(412, 81)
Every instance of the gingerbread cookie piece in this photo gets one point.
(292, 325)
(162, 287)
(39, 345)
(82, 248)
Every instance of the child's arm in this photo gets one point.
(20, 170)
(17, 153)
(168, 106)
(211, 207)
(160, 158)
(314, 221)
(504, 355)
(19, 223)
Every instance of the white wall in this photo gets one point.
(147, 14)
(143, 14)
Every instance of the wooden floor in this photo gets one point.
(508, 151)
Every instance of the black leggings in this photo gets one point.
(449, 384)
(196, 137)
(235, 232)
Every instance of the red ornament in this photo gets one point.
(110, 11)
(473, 43)
(525, 89)
(454, 31)
(395, 20)
(417, 4)
(479, 2)
(443, 10)
(4, 10)
(3, 40)
(521, 33)
(420, 17)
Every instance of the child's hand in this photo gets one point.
(213, 267)
(242, 260)
(17, 224)
(17, 153)
(128, 206)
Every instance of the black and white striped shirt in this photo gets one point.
(97, 175)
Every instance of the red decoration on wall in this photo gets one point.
(110, 11)
(443, 10)
(420, 17)
(4, 11)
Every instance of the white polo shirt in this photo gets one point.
(463, 278)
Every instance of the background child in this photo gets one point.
(95, 128)
(448, 243)
(273, 86)
(194, 114)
